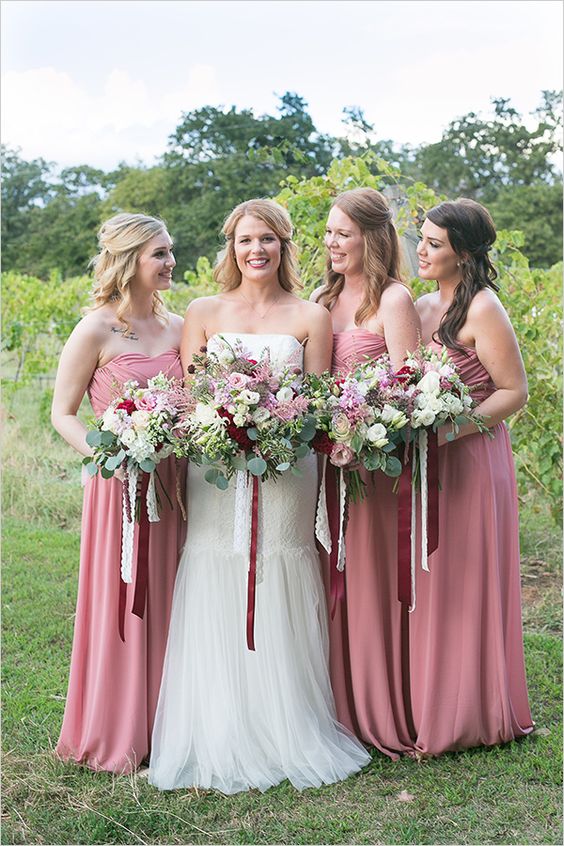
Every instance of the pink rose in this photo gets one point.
(341, 455)
(146, 402)
(238, 381)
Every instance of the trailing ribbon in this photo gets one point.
(322, 527)
(241, 515)
(252, 577)
(337, 503)
(433, 487)
(405, 510)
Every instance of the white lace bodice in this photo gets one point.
(285, 350)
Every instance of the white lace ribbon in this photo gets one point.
(322, 529)
(413, 531)
(152, 505)
(241, 521)
(342, 502)
(423, 441)
(128, 526)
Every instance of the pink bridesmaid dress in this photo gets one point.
(468, 684)
(368, 631)
(114, 685)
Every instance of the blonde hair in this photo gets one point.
(226, 271)
(382, 253)
(120, 239)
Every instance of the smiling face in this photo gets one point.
(345, 242)
(437, 259)
(257, 249)
(155, 263)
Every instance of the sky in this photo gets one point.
(103, 81)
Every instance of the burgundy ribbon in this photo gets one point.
(336, 577)
(142, 573)
(404, 533)
(252, 578)
(433, 492)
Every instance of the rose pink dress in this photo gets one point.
(368, 631)
(114, 685)
(468, 684)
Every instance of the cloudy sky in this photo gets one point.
(106, 81)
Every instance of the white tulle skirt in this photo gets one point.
(229, 718)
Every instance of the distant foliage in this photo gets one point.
(38, 315)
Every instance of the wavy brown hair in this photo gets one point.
(471, 234)
(226, 271)
(382, 254)
(120, 239)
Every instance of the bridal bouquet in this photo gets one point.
(244, 415)
(135, 433)
(353, 425)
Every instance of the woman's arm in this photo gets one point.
(319, 347)
(193, 332)
(402, 327)
(77, 363)
(498, 350)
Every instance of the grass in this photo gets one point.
(507, 794)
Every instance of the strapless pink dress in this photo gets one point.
(366, 631)
(468, 684)
(114, 686)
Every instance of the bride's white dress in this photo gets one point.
(229, 718)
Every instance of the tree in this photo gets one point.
(25, 186)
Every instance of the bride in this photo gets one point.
(229, 718)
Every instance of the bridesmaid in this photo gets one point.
(372, 313)
(467, 670)
(127, 334)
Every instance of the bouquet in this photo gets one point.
(135, 433)
(352, 425)
(244, 415)
(428, 393)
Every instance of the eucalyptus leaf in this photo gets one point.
(302, 450)
(239, 462)
(221, 483)
(256, 466)
(211, 475)
(307, 433)
(107, 438)
(94, 438)
(106, 474)
(295, 471)
(147, 465)
(112, 463)
(252, 433)
(393, 466)
(91, 469)
(284, 466)
(450, 436)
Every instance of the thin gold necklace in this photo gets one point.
(272, 304)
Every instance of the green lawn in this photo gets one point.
(509, 794)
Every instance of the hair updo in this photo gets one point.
(120, 239)
(369, 209)
(471, 233)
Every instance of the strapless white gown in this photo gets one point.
(232, 719)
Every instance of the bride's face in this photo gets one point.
(257, 249)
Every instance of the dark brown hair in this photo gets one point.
(471, 233)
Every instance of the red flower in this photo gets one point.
(129, 406)
(252, 361)
(238, 434)
(322, 443)
(405, 373)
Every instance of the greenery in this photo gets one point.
(216, 158)
(505, 794)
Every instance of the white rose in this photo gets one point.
(239, 420)
(377, 435)
(249, 397)
(128, 438)
(206, 415)
(446, 370)
(140, 419)
(225, 357)
(452, 404)
(430, 383)
(284, 395)
(111, 421)
(260, 415)
(424, 417)
(342, 428)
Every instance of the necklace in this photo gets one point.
(272, 304)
